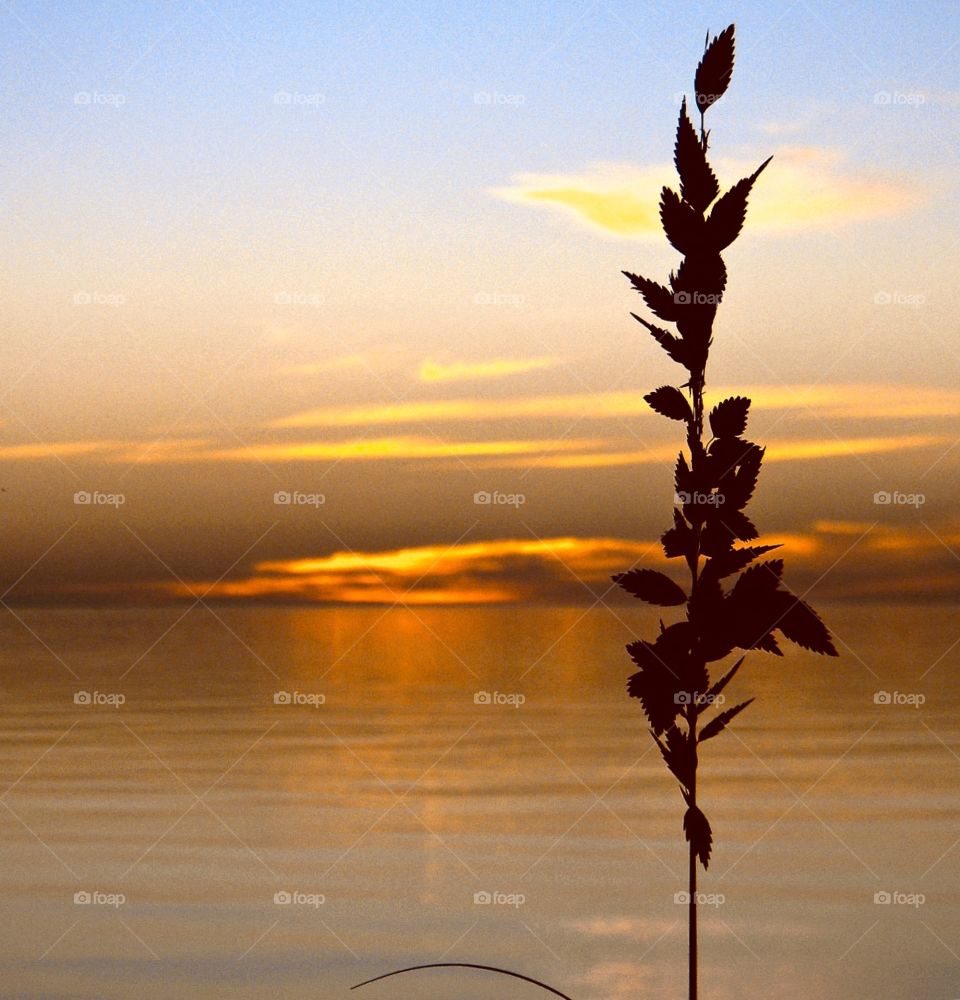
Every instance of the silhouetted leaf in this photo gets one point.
(699, 281)
(757, 582)
(682, 223)
(670, 402)
(734, 560)
(738, 492)
(726, 218)
(666, 668)
(717, 642)
(698, 185)
(678, 540)
(757, 606)
(655, 697)
(651, 586)
(654, 685)
(715, 538)
(674, 346)
(706, 601)
(683, 479)
(698, 834)
(707, 612)
(722, 528)
(802, 625)
(741, 525)
(729, 417)
(719, 722)
(697, 290)
(715, 70)
(677, 753)
(659, 299)
(726, 453)
(768, 644)
(725, 680)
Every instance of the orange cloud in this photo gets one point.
(842, 559)
(824, 402)
(485, 572)
(851, 401)
(385, 448)
(804, 188)
(182, 450)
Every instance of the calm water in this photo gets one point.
(399, 798)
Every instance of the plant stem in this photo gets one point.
(692, 804)
(696, 451)
(693, 924)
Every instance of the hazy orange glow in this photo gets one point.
(162, 449)
(777, 451)
(59, 449)
(457, 371)
(343, 363)
(842, 527)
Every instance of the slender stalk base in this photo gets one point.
(693, 924)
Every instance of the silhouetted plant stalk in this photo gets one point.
(714, 483)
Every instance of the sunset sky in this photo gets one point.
(373, 251)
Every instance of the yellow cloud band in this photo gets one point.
(805, 188)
